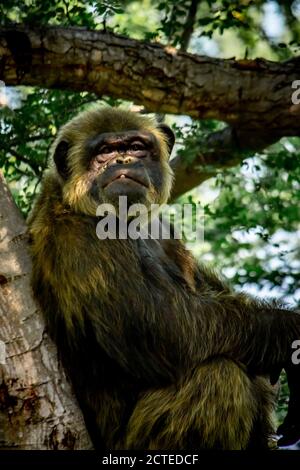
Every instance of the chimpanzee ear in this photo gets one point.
(60, 159)
(169, 134)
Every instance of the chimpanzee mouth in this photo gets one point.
(125, 178)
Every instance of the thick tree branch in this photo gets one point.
(221, 149)
(253, 96)
(248, 94)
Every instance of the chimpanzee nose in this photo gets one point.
(123, 160)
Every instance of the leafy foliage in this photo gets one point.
(192, 136)
(260, 242)
(88, 13)
(27, 133)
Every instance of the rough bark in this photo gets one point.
(248, 94)
(37, 408)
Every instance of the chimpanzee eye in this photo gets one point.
(135, 146)
(105, 150)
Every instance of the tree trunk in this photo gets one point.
(37, 408)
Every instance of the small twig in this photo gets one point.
(189, 25)
(23, 159)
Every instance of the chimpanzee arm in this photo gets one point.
(220, 321)
(254, 333)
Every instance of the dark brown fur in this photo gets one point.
(161, 352)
